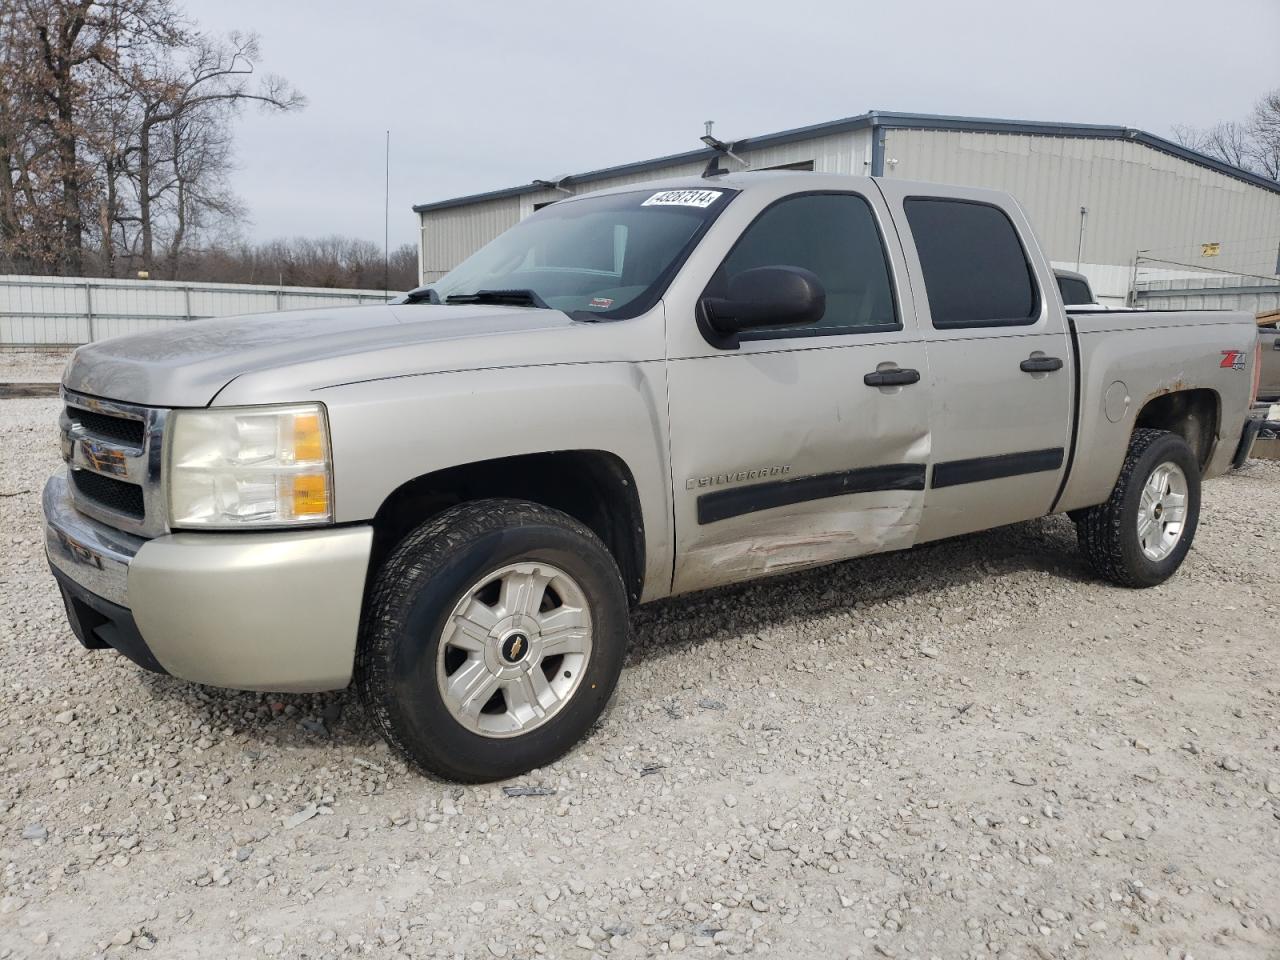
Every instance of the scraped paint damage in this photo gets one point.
(798, 538)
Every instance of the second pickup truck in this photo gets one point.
(455, 499)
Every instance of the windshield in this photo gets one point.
(607, 257)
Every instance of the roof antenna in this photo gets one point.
(721, 149)
(556, 184)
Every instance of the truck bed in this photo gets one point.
(1123, 363)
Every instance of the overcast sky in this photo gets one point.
(480, 95)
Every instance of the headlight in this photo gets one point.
(250, 466)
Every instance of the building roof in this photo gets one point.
(890, 121)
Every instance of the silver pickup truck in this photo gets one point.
(454, 500)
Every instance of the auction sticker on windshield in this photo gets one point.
(683, 198)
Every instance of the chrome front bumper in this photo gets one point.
(90, 553)
(271, 610)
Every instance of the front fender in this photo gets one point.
(387, 432)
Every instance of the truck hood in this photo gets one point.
(188, 365)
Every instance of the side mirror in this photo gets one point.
(762, 297)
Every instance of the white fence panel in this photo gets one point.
(66, 311)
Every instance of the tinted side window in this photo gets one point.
(835, 236)
(1074, 291)
(975, 270)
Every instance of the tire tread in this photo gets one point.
(421, 554)
(1100, 529)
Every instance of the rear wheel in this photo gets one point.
(1141, 534)
(493, 639)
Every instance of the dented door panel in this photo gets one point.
(1002, 428)
(801, 427)
(782, 456)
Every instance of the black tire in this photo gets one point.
(1108, 533)
(416, 589)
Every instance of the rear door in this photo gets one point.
(998, 348)
(783, 455)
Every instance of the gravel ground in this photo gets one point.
(969, 750)
(32, 366)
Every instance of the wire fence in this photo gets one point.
(68, 311)
(1165, 284)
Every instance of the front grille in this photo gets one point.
(113, 449)
(119, 429)
(109, 493)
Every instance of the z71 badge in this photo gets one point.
(1233, 360)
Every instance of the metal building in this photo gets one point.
(1127, 208)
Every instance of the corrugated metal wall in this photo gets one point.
(450, 236)
(63, 310)
(1137, 198)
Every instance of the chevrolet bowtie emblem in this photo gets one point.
(103, 459)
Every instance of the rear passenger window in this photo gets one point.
(975, 270)
(835, 236)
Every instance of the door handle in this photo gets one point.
(896, 377)
(1040, 365)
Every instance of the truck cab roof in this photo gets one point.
(781, 182)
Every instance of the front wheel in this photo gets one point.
(1141, 535)
(493, 638)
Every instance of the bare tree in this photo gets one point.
(115, 131)
(192, 104)
(30, 210)
(58, 28)
(1264, 131)
(116, 146)
(109, 129)
(62, 40)
(1227, 141)
(1252, 145)
(198, 161)
(334, 261)
(27, 229)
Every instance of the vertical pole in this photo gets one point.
(1084, 212)
(187, 292)
(386, 226)
(88, 307)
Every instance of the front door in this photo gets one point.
(1000, 354)
(783, 454)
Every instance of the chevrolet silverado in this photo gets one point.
(453, 500)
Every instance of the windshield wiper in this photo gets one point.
(516, 298)
(421, 295)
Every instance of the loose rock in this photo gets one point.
(780, 774)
